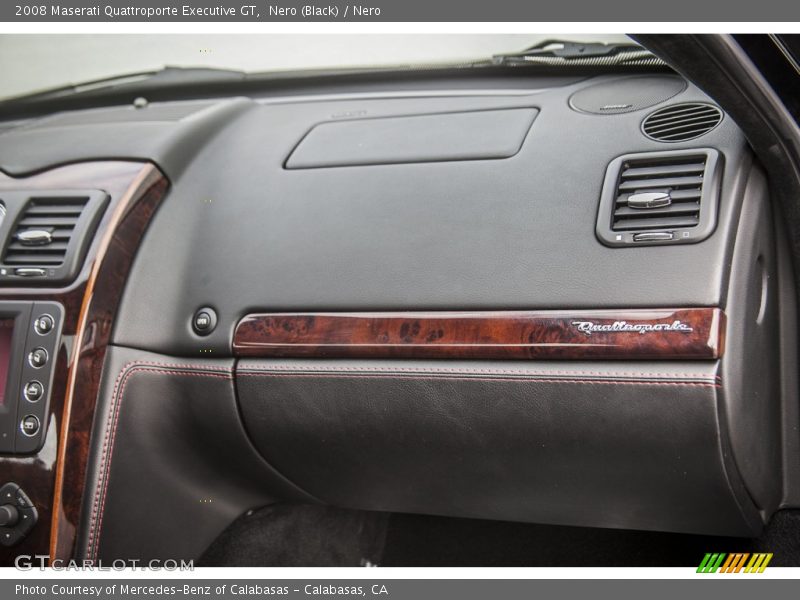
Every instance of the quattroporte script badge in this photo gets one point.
(590, 327)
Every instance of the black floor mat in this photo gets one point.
(298, 535)
(302, 535)
(415, 540)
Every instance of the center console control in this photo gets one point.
(30, 335)
(18, 515)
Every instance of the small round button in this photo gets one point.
(29, 425)
(33, 391)
(204, 321)
(44, 324)
(37, 358)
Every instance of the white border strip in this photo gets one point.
(385, 573)
(405, 27)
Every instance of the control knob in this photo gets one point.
(9, 515)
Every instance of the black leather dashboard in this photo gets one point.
(241, 232)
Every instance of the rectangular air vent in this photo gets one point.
(43, 233)
(659, 194)
(45, 236)
(659, 198)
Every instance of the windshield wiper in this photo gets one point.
(565, 53)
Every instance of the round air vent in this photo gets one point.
(681, 122)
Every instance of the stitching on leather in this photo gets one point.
(524, 379)
(98, 502)
(192, 370)
(136, 363)
(465, 370)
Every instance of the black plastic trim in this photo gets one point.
(17, 203)
(709, 201)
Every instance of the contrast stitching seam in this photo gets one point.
(523, 379)
(137, 363)
(98, 504)
(466, 370)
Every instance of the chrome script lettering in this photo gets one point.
(590, 327)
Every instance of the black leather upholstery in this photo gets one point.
(571, 443)
(595, 444)
(171, 465)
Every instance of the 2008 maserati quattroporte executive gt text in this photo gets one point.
(488, 300)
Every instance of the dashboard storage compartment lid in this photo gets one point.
(572, 443)
(473, 135)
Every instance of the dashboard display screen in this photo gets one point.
(6, 331)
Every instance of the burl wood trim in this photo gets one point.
(690, 333)
(89, 302)
(109, 272)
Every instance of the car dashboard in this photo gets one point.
(559, 298)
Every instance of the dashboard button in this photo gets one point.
(27, 518)
(29, 425)
(204, 321)
(44, 324)
(33, 391)
(9, 537)
(23, 501)
(654, 236)
(8, 492)
(30, 272)
(37, 358)
(9, 515)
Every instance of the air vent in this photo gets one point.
(681, 122)
(43, 233)
(659, 194)
(45, 236)
(660, 198)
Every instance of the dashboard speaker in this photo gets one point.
(626, 94)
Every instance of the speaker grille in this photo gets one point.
(681, 122)
(627, 94)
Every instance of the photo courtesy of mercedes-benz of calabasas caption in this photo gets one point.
(535, 307)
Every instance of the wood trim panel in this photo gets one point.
(657, 334)
(54, 479)
(109, 273)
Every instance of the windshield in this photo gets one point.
(34, 63)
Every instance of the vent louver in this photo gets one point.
(660, 198)
(43, 233)
(659, 194)
(681, 122)
(46, 235)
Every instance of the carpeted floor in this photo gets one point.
(299, 535)
(305, 535)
